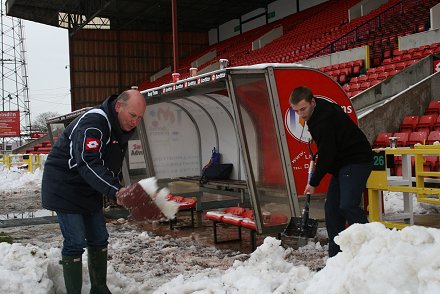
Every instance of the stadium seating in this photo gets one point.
(409, 123)
(433, 108)
(324, 29)
(417, 138)
(434, 136)
(437, 124)
(382, 140)
(402, 139)
(430, 163)
(426, 122)
(42, 148)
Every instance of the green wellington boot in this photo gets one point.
(97, 262)
(72, 271)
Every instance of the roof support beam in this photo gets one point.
(77, 22)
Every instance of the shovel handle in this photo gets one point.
(305, 216)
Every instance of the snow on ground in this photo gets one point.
(374, 259)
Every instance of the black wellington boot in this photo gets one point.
(97, 262)
(72, 271)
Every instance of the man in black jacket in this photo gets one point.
(83, 167)
(344, 152)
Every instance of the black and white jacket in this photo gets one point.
(85, 163)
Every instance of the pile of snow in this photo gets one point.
(374, 259)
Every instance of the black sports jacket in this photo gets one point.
(340, 141)
(85, 163)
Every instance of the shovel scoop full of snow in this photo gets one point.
(145, 201)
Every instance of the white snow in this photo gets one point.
(374, 259)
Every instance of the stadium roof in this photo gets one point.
(147, 15)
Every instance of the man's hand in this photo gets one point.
(309, 190)
(117, 194)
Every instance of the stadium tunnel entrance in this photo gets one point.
(244, 113)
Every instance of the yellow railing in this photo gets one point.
(380, 180)
(27, 162)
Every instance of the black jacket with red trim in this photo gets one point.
(340, 141)
(85, 163)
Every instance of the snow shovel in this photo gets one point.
(300, 229)
(145, 201)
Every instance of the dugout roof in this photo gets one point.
(147, 15)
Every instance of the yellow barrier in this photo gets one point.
(380, 180)
(28, 162)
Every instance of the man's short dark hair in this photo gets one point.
(299, 94)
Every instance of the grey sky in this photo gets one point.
(47, 57)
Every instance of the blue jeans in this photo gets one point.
(82, 230)
(342, 205)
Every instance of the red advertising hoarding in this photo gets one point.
(9, 124)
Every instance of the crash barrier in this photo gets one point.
(185, 204)
(422, 181)
(27, 162)
(243, 218)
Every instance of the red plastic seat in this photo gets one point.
(387, 61)
(354, 80)
(433, 108)
(354, 93)
(392, 73)
(354, 87)
(184, 203)
(372, 77)
(397, 52)
(374, 82)
(397, 171)
(380, 69)
(406, 57)
(248, 221)
(362, 79)
(417, 137)
(409, 123)
(430, 163)
(389, 67)
(364, 86)
(218, 215)
(402, 139)
(426, 122)
(232, 219)
(400, 65)
(382, 140)
(382, 76)
(399, 58)
(437, 124)
(416, 55)
(410, 62)
(433, 137)
(342, 79)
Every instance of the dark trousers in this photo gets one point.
(82, 230)
(342, 205)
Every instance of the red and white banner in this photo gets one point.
(36, 135)
(9, 124)
(436, 65)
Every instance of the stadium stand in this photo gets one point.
(323, 29)
(43, 148)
